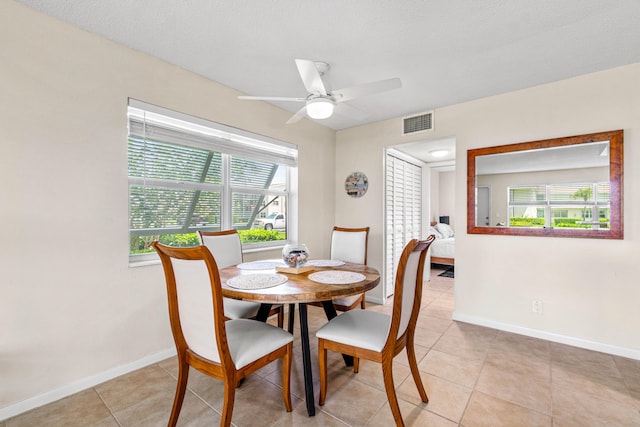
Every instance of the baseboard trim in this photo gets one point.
(549, 336)
(83, 384)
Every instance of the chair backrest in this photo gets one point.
(350, 244)
(407, 295)
(224, 245)
(194, 294)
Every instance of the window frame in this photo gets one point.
(229, 142)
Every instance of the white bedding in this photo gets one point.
(444, 245)
(443, 248)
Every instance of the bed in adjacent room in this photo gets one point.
(443, 248)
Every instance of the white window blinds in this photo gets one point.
(209, 136)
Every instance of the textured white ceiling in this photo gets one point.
(445, 52)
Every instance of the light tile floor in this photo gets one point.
(475, 376)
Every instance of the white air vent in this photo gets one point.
(419, 123)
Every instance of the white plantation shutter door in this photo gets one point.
(403, 211)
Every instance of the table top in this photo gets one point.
(299, 288)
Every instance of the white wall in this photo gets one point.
(442, 196)
(72, 311)
(446, 199)
(589, 287)
(434, 196)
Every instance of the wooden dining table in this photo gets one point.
(300, 290)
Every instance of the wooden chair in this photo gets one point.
(205, 340)
(226, 248)
(350, 245)
(378, 337)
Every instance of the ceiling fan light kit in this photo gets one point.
(320, 103)
(319, 108)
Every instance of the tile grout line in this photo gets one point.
(107, 406)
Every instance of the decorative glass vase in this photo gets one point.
(295, 254)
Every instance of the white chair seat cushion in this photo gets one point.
(347, 301)
(360, 328)
(249, 340)
(238, 309)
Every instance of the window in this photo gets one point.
(572, 206)
(188, 174)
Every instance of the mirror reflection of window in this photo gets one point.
(564, 187)
(570, 206)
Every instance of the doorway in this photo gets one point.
(483, 208)
(435, 158)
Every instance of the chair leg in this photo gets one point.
(362, 303)
(356, 365)
(181, 388)
(322, 364)
(227, 405)
(281, 317)
(413, 364)
(286, 377)
(387, 374)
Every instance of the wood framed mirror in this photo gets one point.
(562, 187)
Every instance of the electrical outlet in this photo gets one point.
(536, 306)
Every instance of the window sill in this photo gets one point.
(263, 249)
(156, 260)
(136, 264)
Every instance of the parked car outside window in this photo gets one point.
(273, 221)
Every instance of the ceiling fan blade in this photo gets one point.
(310, 77)
(271, 98)
(349, 93)
(298, 115)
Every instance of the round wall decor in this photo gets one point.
(356, 184)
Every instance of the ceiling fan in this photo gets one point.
(320, 102)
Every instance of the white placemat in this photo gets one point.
(325, 262)
(261, 265)
(336, 277)
(256, 281)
